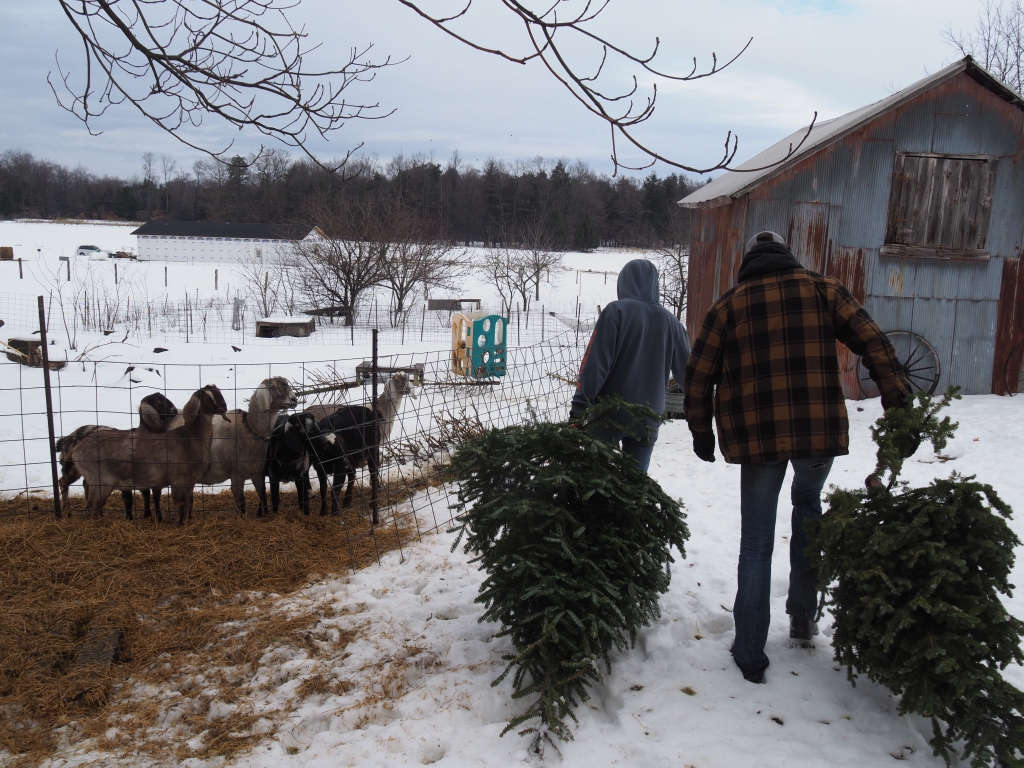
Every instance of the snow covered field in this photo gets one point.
(417, 676)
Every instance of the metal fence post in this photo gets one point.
(375, 460)
(49, 406)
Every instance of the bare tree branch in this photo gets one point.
(997, 42)
(178, 61)
(541, 28)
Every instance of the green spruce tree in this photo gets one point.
(913, 578)
(576, 542)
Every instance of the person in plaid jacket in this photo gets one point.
(764, 364)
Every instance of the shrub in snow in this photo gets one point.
(575, 539)
(913, 577)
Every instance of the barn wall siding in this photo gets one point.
(832, 206)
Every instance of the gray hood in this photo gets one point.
(639, 280)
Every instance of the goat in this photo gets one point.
(360, 431)
(293, 447)
(156, 413)
(110, 460)
(239, 447)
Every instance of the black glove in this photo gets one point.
(704, 446)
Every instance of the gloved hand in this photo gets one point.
(704, 445)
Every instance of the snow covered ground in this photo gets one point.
(418, 677)
(40, 244)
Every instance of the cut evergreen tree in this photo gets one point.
(576, 542)
(913, 578)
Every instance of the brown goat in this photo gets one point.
(155, 415)
(125, 460)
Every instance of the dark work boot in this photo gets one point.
(802, 630)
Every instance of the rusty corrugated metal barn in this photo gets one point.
(916, 203)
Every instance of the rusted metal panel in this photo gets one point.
(762, 214)
(1006, 226)
(973, 346)
(847, 266)
(808, 234)
(732, 252)
(700, 290)
(956, 135)
(1009, 335)
(914, 126)
(1001, 129)
(887, 276)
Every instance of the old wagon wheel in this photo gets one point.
(919, 359)
(1013, 372)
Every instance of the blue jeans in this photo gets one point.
(639, 449)
(759, 500)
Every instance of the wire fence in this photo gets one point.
(437, 411)
(216, 321)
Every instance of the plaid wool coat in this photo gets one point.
(765, 364)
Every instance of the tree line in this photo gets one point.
(565, 205)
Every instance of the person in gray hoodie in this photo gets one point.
(635, 344)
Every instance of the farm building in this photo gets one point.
(209, 241)
(916, 203)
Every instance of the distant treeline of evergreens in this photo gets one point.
(498, 202)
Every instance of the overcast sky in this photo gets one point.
(830, 55)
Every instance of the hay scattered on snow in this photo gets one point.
(199, 599)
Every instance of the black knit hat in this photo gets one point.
(764, 237)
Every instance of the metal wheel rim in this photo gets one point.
(921, 362)
(1013, 373)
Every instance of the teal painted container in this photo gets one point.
(479, 348)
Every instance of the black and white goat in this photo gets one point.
(360, 431)
(295, 445)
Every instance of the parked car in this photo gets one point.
(86, 250)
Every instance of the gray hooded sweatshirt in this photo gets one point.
(635, 344)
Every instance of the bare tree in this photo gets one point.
(671, 249)
(261, 285)
(577, 60)
(421, 265)
(997, 42)
(180, 61)
(148, 179)
(414, 257)
(241, 61)
(540, 258)
(338, 268)
(498, 267)
(167, 166)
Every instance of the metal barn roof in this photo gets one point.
(220, 229)
(734, 184)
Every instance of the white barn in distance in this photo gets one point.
(210, 241)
